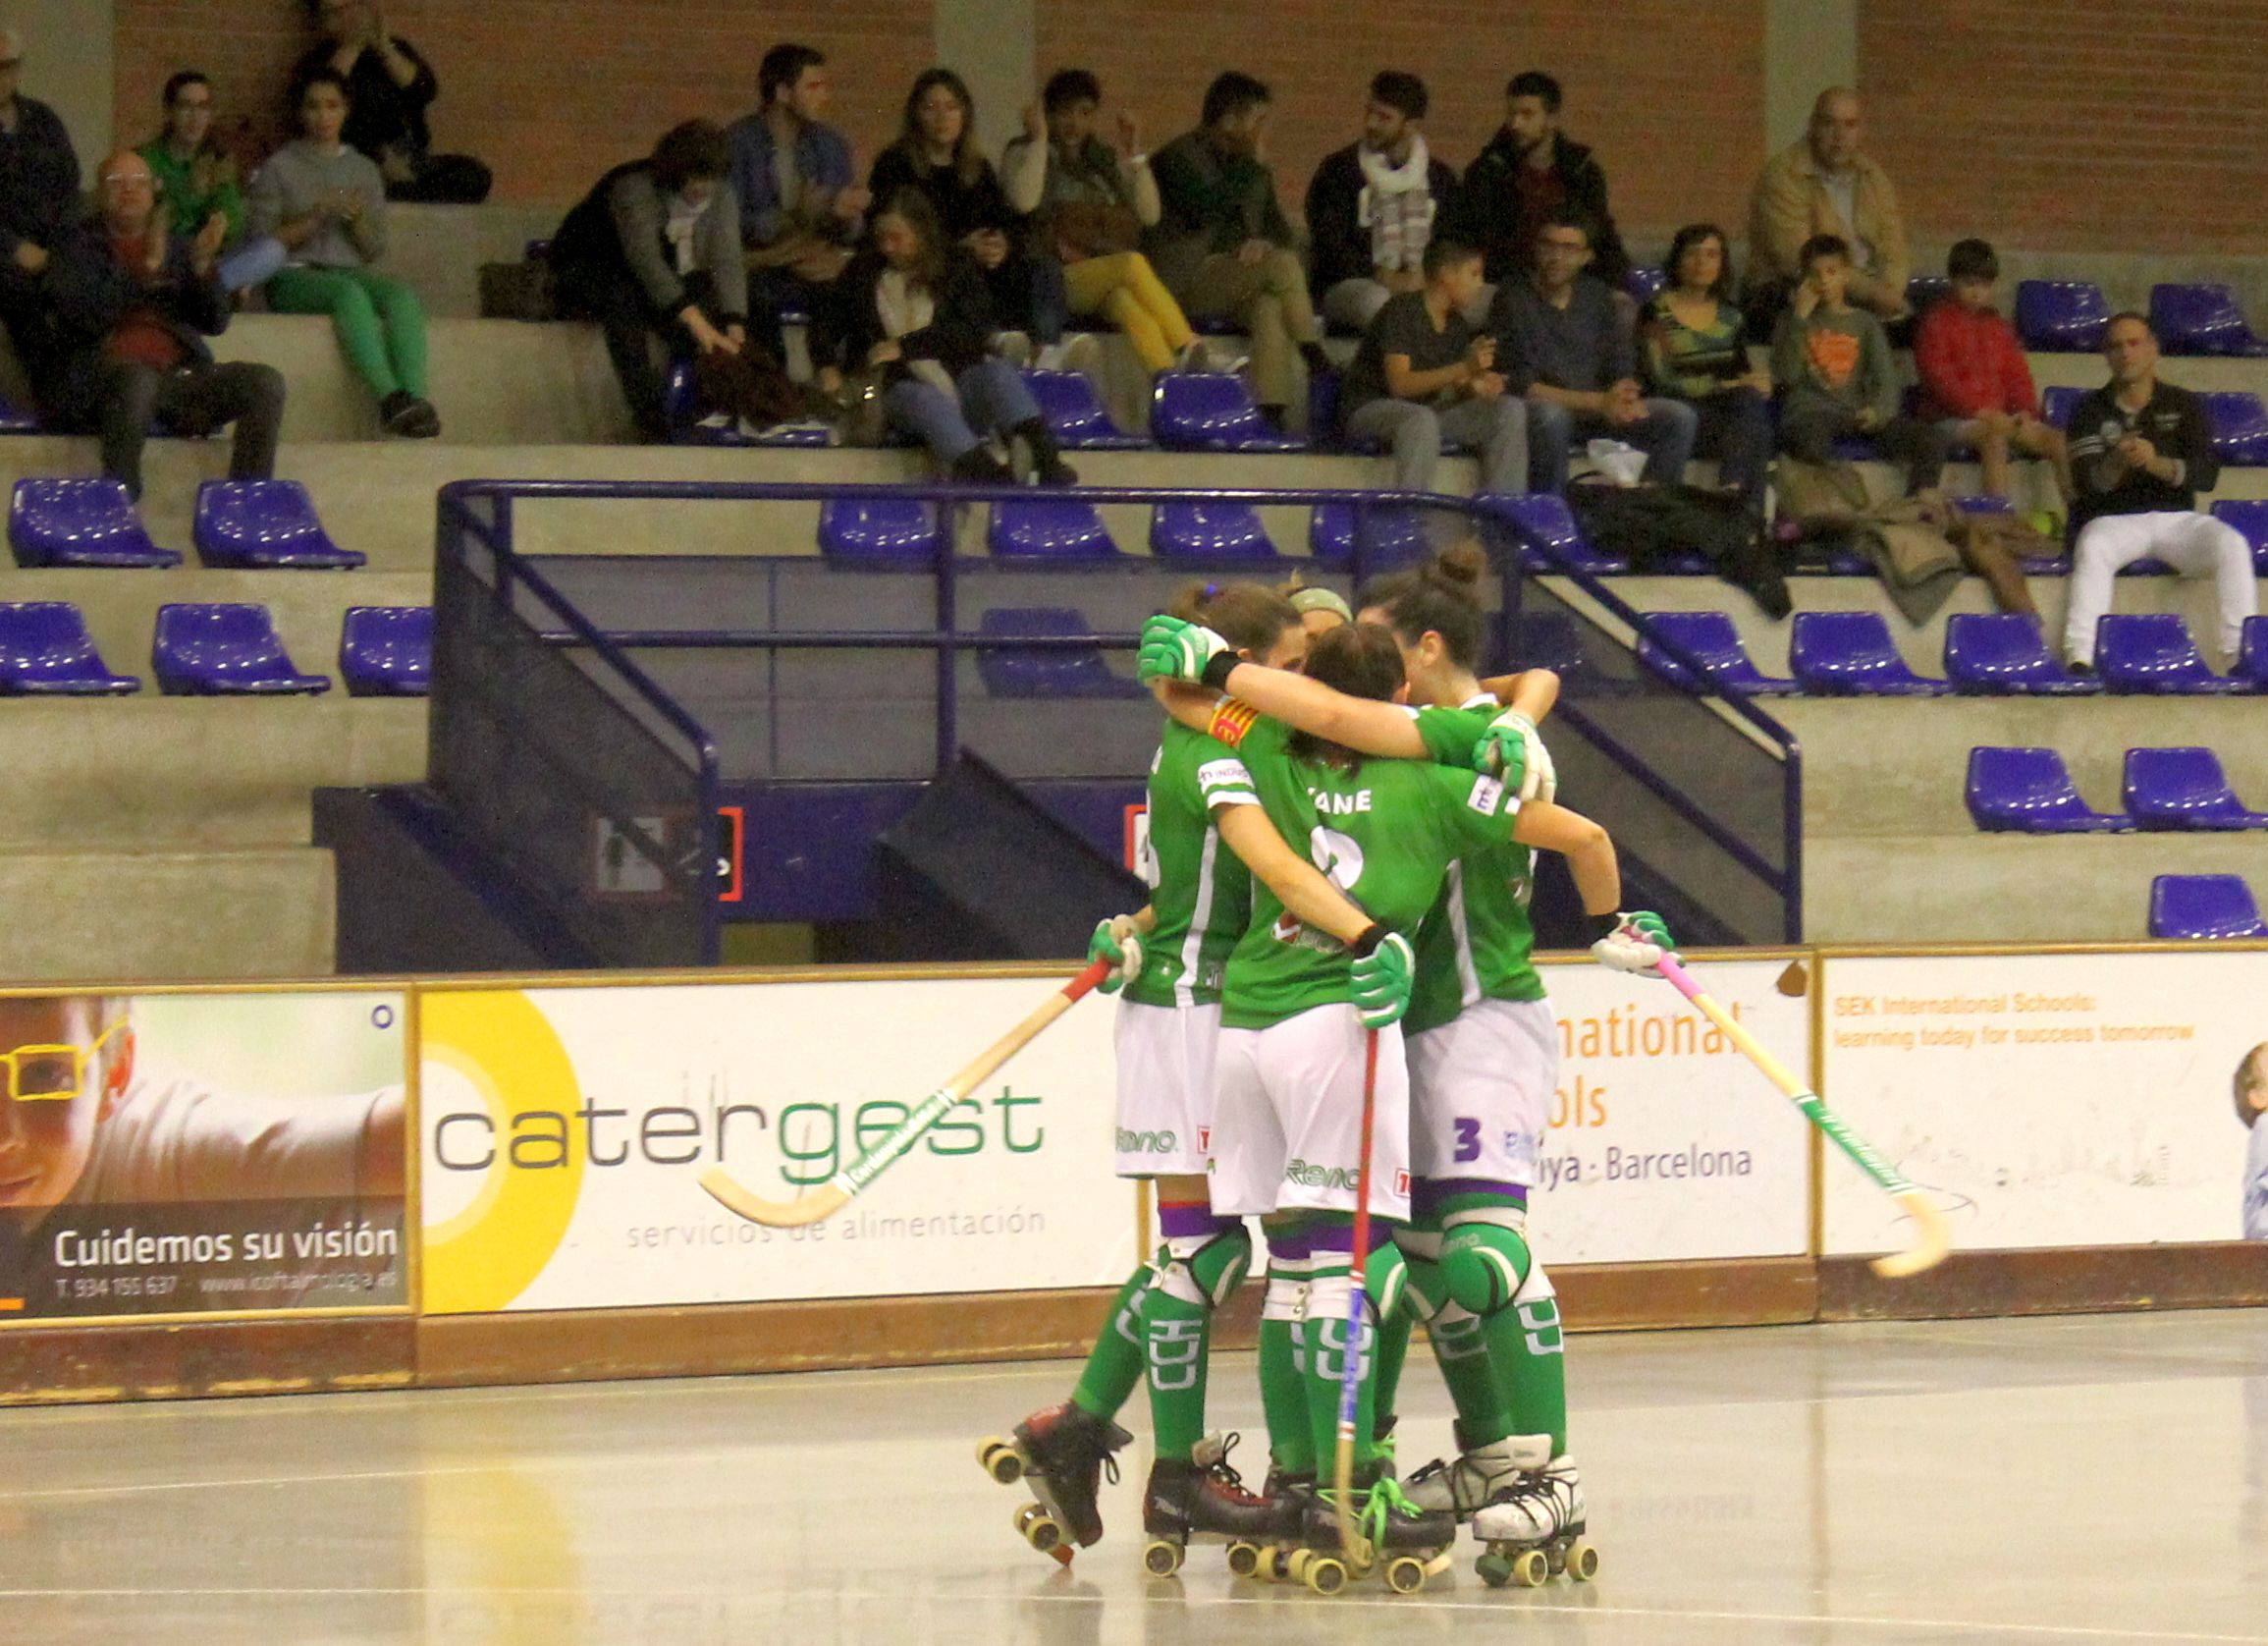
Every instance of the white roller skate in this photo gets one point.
(1533, 1529)
(1477, 1475)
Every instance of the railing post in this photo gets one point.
(949, 654)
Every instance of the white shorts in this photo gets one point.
(1287, 1121)
(1165, 1088)
(1480, 1092)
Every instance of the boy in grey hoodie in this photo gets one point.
(1832, 367)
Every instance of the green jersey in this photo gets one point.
(1201, 893)
(1477, 942)
(1385, 833)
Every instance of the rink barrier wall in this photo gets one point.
(2122, 1168)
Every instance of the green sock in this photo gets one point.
(1283, 1397)
(1115, 1363)
(1528, 1350)
(1174, 1337)
(1394, 1349)
(1461, 1350)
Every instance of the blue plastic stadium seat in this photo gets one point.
(2150, 653)
(223, 651)
(1712, 638)
(2250, 515)
(1850, 654)
(248, 526)
(2253, 655)
(2061, 316)
(2240, 426)
(2203, 908)
(2029, 791)
(893, 533)
(387, 651)
(1551, 540)
(1066, 399)
(680, 410)
(80, 523)
(2001, 654)
(1982, 503)
(2185, 788)
(1925, 290)
(1645, 282)
(1047, 672)
(2201, 319)
(1392, 537)
(1209, 411)
(1209, 533)
(2056, 404)
(1049, 528)
(45, 650)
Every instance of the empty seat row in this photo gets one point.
(906, 534)
(2189, 318)
(240, 526)
(1850, 654)
(2029, 791)
(212, 651)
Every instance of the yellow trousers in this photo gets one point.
(1127, 293)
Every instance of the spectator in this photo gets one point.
(1423, 376)
(39, 198)
(1822, 185)
(389, 88)
(327, 203)
(133, 306)
(1695, 349)
(1831, 361)
(937, 153)
(1561, 341)
(2141, 452)
(1373, 206)
(801, 209)
(197, 182)
(1975, 383)
(1529, 170)
(1221, 244)
(1090, 203)
(913, 310)
(652, 252)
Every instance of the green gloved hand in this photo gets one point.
(1173, 650)
(1513, 750)
(1383, 974)
(1117, 940)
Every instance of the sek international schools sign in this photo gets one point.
(566, 1132)
(2045, 1100)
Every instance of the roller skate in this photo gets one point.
(1205, 1495)
(1463, 1485)
(1268, 1559)
(1062, 1451)
(1404, 1544)
(1533, 1529)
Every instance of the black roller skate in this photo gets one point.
(1063, 1452)
(1205, 1495)
(1406, 1544)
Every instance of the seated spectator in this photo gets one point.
(133, 306)
(1423, 376)
(912, 313)
(1221, 244)
(801, 209)
(1822, 185)
(389, 88)
(1529, 170)
(1975, 383)
(327, 203)
(1561, 341)
(197, 182)
(1832, 364)
(937, 153)
(38, 200)
(1695, 349)
(1089, 203)
(1374, 206)
(2142, 450)
(653, 253)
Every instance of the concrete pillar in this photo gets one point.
(1808, 46)
(69, 53)
(994, 45)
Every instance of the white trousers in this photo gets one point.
(2192, 544)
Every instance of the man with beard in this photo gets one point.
(1529, 170)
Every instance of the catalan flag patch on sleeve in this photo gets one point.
(1231, 720)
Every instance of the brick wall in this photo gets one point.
(550, 92)
(2081, 124)
(1669, 92)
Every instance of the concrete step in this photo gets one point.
(170, 916)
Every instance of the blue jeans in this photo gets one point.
(1665, 434)
(253, 264)
(992, 399)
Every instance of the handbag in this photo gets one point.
(750, 385)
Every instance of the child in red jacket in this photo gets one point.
(1975, 385)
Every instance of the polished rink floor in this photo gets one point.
(2097, 1479)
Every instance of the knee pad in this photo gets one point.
(1204, 1269)
(1455, 1333)
(1385, 1282)
(1485, 1266)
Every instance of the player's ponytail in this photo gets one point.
(1359, 659)
(1250, 617)
(1440, 597)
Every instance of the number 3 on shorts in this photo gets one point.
(1468, 1140)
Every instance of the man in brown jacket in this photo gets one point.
(1822, 185)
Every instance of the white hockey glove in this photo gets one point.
(1513, 750)
(1117, 940)
(1631, 941)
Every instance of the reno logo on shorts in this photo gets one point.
(1150, 1142)
(1309, 1176)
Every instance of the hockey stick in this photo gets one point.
(837, 1191)
(1351, 1542)
(1931, 1240)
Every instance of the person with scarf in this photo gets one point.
(1372, 207)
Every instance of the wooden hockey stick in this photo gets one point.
(1931, 1239)
(1352, 1543)
(837, 1193)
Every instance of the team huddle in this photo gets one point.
(1342, 821)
